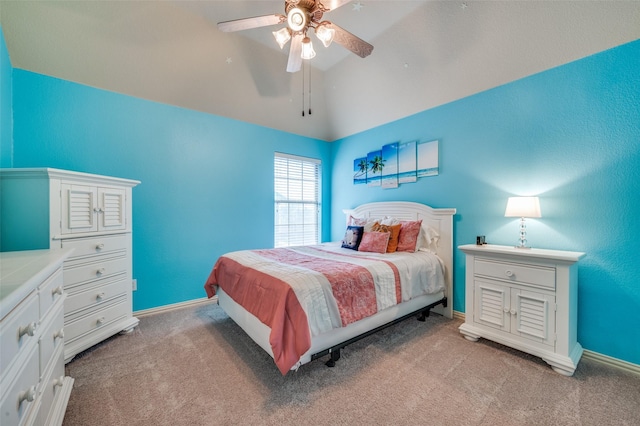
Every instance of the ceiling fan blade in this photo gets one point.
(334, 4)
(295, 53)
(248, 23)
(351, 42)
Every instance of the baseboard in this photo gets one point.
(613, 362)
(174, 306)
(587, 354)
(458, 315)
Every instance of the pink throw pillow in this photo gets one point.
(408, 237)
(375, 242)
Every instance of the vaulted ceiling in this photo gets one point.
(426, 53)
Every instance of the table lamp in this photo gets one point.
(523, 207)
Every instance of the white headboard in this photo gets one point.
(440, 219)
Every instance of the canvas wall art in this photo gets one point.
(397, 163)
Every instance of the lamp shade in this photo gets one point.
(307, 49)
(325, 34)
(282, 36)
(523, 207)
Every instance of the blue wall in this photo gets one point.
(570, 135)
(207, 181)
(6, 125)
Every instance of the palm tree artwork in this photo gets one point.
(376, 164)
(360, 166)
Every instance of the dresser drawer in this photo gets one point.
(96, 295)
(50, 291)
(95, 320)
(51, 385)
(51, 338)
(18, 332)
(19, 397)
(97, 245)
(102, 268)
(539, 276)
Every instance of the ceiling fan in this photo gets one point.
(300, 15)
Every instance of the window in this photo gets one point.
(297, 200)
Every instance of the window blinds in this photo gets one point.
(297, 200)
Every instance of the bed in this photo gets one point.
(303, 303)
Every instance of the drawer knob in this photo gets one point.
(58, 290)
(58, 382)
(100, 321)
(29, 330)
(29, 395)
(508, 273)
(100, 246)
(58, 334)
(100, 271)
(100, 295)
(513, 312)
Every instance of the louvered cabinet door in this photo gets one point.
(533, 316)
(492, 305)
(92, 209)
(79, 209)
(112, 208)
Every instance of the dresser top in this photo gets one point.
(559, 255)
(22, 271)
(48, 172)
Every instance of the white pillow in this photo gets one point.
(428, 239)
(367, 222)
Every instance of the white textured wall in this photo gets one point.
(452, 52)
(172, 52)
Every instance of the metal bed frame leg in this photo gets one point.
(335, 355)
(335, 351)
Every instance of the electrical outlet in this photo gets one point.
(134, 285)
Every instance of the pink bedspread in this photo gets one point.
(272, 301)
(261, 281)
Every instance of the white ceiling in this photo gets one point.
(426, 53)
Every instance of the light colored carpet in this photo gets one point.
(195, 366)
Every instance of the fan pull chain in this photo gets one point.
(303, 66)
(309, 90)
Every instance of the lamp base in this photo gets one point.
(523, 247)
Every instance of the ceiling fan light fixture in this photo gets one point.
(297, 19)
(307, 49)
(282, 36)
(325, 34)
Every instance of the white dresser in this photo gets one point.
(51, 208)
(34, 389)
(526, 299)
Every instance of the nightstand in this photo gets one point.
(526, 299)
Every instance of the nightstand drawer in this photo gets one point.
(96, 245)
(539, 276)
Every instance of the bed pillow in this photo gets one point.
(366, 222)
(394, 233)
(428, 239)
(375, 242)
(352, 237)
(408, 238)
